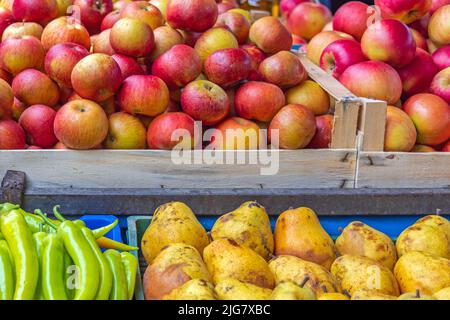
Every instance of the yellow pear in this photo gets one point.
(355, 272)
(225, 258)
(175, 265)
(415, 296)
(297, 270)
(364, 294)
(298, 233)
(233, 289)
(438, 222)
(195, 289)
(248, 225)
(333, 296)
(422, 271)
(443, 294)
(424, 238)
(173, 222)
(359, 239)
(289, 290)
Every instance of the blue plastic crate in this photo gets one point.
(98, 221)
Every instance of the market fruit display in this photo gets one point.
(365, 263)
(145, 59)
(60, 259)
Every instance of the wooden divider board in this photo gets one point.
(155, 169)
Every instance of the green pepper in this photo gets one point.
(6, 272)
(7, 207)
(84, 258)
(68, 267)
(20, 240)
(106, 276)
(119, 288)
(130, 264)
(39, 241)
(53, 284)
(2, 237)
(107, 243)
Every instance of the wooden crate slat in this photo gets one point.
(345, 124)
(372, 124)
(155, 169)
(403, 170)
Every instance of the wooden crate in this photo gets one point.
(312, 169)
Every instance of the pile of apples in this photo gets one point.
(91, 74)
(396, 51)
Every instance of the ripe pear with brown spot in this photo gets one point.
(225, 258)
(355, 272)
(320, 280)
(195, 289)
(422, 271)
(175, 265)
(233, 289)
(359, 239)
(438, 222)
(424, 238)
(299, 233)
(173, 222)
(248, 225)
(443, 294)
(289, 290)
(364, 294)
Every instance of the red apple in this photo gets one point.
(439, 26)
(128, 66)
(142, 94)
(125, 132)
(400, 133)
(308, 19)
(110, 19)
(6, 97)
(446, 147)
(258, 100)
(235, 134)
(18, 29)
(6, 19)
(37, 121)
(92, 13)
(109, 105)
(64, 7)
(224, 6)
(165, 38)
(139, 45)
(421, 42)
(191, 37)
(353, 18)
(5, 76)
(315, 47)
(257, 56)
(34, 87)
(431, 116)
(213, 40)
(283, 69)
(145, 12)
(286, 6)
(341, 54)
(406, 11)
(374, 80)
(236, 23)
(96, 77)
(228, 67)
(65, 29)
(11, 135)
(311, 95)
(34, 148)
(102, 44)
(324, 132)
(421, 25)
(16, 110)
(81, 124)
(294, 126)
(60, 146)
(441, 57)
(192, 15)
(269, 34)
(205, 101)
(120, 4)
(22, 53)
(178, 66)
(60, 61)
(40, 11)
(440, 85)
(418, 74)
(171, 129)
(422, 148)
(436, 4)
(390, 41)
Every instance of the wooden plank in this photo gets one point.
(156, 169)
(403, 170)
(12, 187)
(345, 125)
(372, 124)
